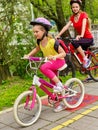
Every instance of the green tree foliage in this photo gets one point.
(52, 9)
(14, 30)
(59, 10)
(5, 36)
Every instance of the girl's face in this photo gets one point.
(75, 8)
(38, 31)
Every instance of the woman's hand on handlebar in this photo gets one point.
(78, 37)
(57, 37)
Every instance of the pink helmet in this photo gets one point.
(76, 1)
(42, 21)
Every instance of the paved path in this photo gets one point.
(83, 119)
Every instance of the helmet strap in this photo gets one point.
(45, 34)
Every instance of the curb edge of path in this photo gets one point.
(10, 109)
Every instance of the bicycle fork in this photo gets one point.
(32, 103)
(33, 89)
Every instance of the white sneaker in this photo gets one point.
(57, 89)
(86, 63)
(59, 108)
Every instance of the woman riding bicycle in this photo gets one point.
(45, 43)
(81, 24)
(84, 38)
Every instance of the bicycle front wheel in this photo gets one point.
(75, 93)
(23, 114)
(93, 69)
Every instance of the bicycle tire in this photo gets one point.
(70, 70)
(75, 100)
(71, 66)
(93, 73)
(26, 117)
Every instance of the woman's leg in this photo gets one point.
(80, 45)
(86, 61)
(81, 51)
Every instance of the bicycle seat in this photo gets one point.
(92, 47)
(63, 67)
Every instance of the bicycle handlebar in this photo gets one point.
(34, 64)
(67, 39)
(31, 58)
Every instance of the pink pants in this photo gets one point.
(50, 68)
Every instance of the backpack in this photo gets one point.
(62, 44)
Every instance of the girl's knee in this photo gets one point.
(42, 68)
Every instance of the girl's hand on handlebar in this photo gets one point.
(26, 57)
(51, 58)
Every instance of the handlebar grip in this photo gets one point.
(35, 58)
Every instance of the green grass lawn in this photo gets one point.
(11, 88)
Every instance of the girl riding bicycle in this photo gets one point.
(81, 24)
(45, 43)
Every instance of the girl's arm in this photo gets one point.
(61, 54)
(64, 29)
(33, 52)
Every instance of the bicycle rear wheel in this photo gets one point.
(23, 115)
(75, 93)
(70, 70)
(93, 69)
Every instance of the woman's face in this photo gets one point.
(38, 31)
(75, 8)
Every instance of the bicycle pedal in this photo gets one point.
(27, 108)
(56, 92)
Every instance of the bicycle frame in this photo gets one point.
(79, 57)
(45, 86)
(72, 50)
(28, 105)
(90, 53)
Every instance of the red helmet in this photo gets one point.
(76, 1)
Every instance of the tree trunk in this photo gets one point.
(58, 17)
(4, 72)
(61, 20)
(83, 5)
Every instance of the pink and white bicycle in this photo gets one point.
(28, 105)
